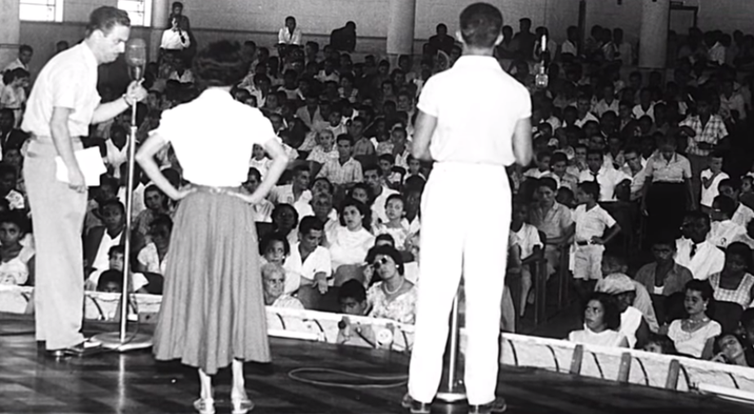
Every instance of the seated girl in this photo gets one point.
(361, 192)
(157, 204)
(151, 258)
(16, 264)
(633, 326)
(731, 349)
(601, 323)
(694, 335)
(397, 225)
(735, 284)
(275, 249)
(392, 297)
(350, 242)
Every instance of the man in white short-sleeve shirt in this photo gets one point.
(473, 121)
(308, 261)
(62, 105)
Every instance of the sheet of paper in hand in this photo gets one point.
(90, 164)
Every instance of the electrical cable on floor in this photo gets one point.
(378, 381)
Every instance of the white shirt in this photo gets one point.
(138, 199)
(68, 80)
(15, 65)
(608, 337)
(709, 194)
(283, 194)
(235, 129)
(138, 280)
(285, 36)
(569, 47)
(150, 258)
(630, 320)
(171, 40)
(602, 106)
(588, 117)
(743, 215)
(478, 133)
(378, 206)
(725, 232)
(349, 247)
(101, 259)
(591, 223)
(692, 343)
(608, 179)
(527, 238)
(707, 260)
(318, 261)
(639, 112)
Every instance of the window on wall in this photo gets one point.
(41, 10)
(139, 11)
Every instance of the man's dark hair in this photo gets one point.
(25, 48)
(105, 18)
(310, 223)
(353, 290)
(481, 25)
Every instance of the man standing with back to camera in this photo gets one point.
(62, 105)
(473, 122)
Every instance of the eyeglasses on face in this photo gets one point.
(379, 262)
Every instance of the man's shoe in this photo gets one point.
(496, 406)
(86, 348)
(415, 407)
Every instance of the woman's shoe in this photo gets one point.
(205, 405)
(241, 405)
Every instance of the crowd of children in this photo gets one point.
(340, 232)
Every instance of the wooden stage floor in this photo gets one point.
(31, 382)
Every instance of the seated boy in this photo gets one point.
(345, 171)
(99, 240)
(552, 219)
(116, 256)
(352, 298)
(724, 231)
(731, 188)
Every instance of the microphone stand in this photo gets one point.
(117, 341)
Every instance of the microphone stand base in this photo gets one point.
(111, 341)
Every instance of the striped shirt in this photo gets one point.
(711, 133)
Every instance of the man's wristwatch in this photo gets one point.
(125, 99)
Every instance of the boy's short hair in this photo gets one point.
(372, 167)
(109, 276)
(481, 24)
(726, 205)
(114, 202)
(310, 223)
(558, 157)
(255, 172)
(16, 217)
(352, 290)
(733, 183)
(387, 157)
(344, 137)
(541, 155)
(591, 188)
(385, 237)
(548, 182)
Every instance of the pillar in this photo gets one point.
(10, 31)
(160, 15)
(653, 38)
(400, 29)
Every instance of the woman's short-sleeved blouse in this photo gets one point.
(401, 308)
(692, 343)
(213, 137)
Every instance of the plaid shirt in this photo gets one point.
(347, 173)
(711, 133)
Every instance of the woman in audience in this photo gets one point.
(350, 242)
(694, 335)
(273, 281)
(285, 221)
(157, 204)
(730, 349)
(393, 297)
(151, 258)
(735, 284)
(16, 266)
(602, 321)
(361, 192)
(397, 225)
(633, 326)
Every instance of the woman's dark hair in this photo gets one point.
(386, 250)
(363, 209)
(220, 64)
(385, 237)
(742, 250)
(366, 188)
(481, 24)
(105, 18)
(611, 316)
(352, 289)
(748, 350)
(701, 286)
(273, 237)
(154, 189)
(666, 344)
(279, 208)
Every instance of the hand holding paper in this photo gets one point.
(90, 167)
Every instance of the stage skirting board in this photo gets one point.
(614, 364)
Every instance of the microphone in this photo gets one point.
(136, 57)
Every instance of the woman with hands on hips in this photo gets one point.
(213, 251)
